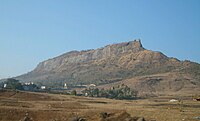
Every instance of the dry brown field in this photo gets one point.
(31, 106)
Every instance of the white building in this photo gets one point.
(4, 86)
(43, 87)
(65, 86)
(28, 83)
(92, 85)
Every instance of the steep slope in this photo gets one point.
(110, 64)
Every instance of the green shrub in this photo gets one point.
(13, 84)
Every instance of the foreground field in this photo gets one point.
(29, 106)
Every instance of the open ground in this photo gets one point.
(16, 105)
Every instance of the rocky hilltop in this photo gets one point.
(127, 62)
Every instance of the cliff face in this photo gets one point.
(75, 57)
(107, 65)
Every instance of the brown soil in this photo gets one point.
(29, 106)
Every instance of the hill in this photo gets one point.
(147, 71)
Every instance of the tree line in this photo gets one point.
(119, 92)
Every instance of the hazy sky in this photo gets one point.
(35, 30)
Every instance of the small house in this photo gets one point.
(65, 86)
(43, 87)
(92, 85)
(5, 85)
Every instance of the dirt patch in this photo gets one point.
(53, 107)
(67, 105)
(99, 102)
(11, 103)
(26, 96)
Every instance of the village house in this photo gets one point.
(43, 87)
(65, 86)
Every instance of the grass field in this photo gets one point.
(15, 106)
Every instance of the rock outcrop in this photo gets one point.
(108, 65)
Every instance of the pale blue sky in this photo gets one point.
(35, 30)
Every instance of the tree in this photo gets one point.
(73, 92)
(13, 84)
(1, 84)
(119, 92)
